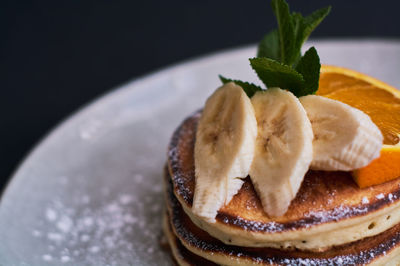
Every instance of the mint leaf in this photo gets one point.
(275, 74)
(249, 88)
(293, 31)
(279, 62)
(304, 26)
(310, 23)
(298, 26)
(285, 31)
(309, 66)
(269, 46)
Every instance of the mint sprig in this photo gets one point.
(305, 26)
(279, 62)
(286, 31)
(275, 74)
(269, 46)
(309, 67)
(249, 88)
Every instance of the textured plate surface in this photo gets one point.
(90, 192)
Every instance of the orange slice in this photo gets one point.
(382, 103)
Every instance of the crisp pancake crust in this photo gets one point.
(373, 250)
(180, 254)
(326, 202)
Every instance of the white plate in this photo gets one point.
(90, 192)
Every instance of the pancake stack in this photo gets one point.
(330, 222)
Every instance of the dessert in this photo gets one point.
(272, 176)
(195, 242)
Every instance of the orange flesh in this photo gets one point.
(384, 109)
(381, 105)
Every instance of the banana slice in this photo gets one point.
(283, 150)
(345, 138)
(224, 149)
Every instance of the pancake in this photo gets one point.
(180, 254)
(380, 249)
(328, 210)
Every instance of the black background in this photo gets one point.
(56, 56)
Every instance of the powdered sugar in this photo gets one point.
(390, 196)
(380, 196)
(65, 259)
(125, 199)
(64, 224)
(55, 237)
(85, 238)
(94, 249)
(100, 232)
(36, 233)
(47, 257)
(364, 200)
(51, 215)
(311, 218)
(336, 214)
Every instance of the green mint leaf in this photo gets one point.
(309, 67)
(305, 25)
(279, 62)
(275, 74)
(285, 31)
(249, 88)
(298, 26)
(297, 19)
(313, 20)
(269, 46)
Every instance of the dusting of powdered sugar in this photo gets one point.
(364, 200)
(311, 218)
(390, 197)
(182, 178)
(336, 214)
(88, 231)
(380, 196)
(103, 233)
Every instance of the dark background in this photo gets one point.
(56, 56)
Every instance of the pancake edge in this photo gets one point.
(392, 256)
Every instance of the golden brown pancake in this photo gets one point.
(379, 249)
(329, 208)
(180, 254)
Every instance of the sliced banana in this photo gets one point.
(224, 149)
(283, 150)
(345, 138)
